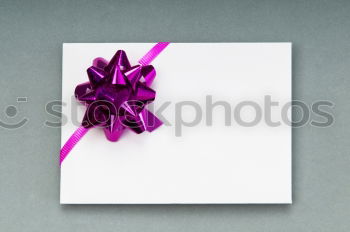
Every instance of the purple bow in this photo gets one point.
(116, 96)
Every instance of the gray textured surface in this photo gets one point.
(32, 33)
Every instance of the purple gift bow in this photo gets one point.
(116, 88)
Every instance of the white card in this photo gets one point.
(201, 163)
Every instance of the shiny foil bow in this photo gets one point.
(116, 97)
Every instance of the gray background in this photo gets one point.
(31, 37)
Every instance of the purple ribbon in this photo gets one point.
(116, 97)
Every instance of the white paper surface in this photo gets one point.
(206, 164)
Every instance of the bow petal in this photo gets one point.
(134, 75)
(99, 62)
(145, 94)
(148, 74)
(151, 122)
(117, 77)
(119, 59)
(82, 89)
(114, 130)
(96, 75)
(88, 98)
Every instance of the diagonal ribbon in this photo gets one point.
(153, 53)
(145, 93)
(72, 141)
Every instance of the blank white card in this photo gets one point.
(221, 143)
